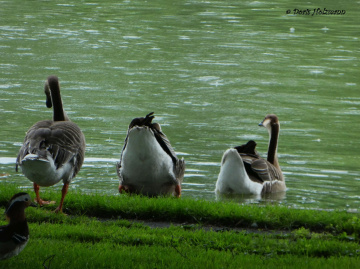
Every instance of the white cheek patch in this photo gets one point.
(266, 122)
(22, 198)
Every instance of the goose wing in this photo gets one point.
(64, 141)
(5, 235)
(259, 169)
(10, 241)
(264, 170)
(165, 144)
(161, 138)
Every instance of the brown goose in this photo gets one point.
(15, 235)
(243, 171)
(148, 163)
(53, 150)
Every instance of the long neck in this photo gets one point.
(58, 110)
(272, 151)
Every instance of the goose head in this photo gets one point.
(53, 98)
(48, 94)
(17, 205)
(270, 122)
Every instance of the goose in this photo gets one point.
(148, 163)
(53, 150)
(243, 171)
(15, 235)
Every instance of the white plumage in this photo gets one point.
(233, 178)
(148, 164)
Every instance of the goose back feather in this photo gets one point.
(61, 141)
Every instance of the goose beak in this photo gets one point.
(261, 123)
(32, 204)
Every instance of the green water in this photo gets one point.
(210, 70)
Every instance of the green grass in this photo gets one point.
(101, 232)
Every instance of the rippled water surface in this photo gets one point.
(210, 70)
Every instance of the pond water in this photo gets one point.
(210, 70)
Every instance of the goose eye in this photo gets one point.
(26, 199)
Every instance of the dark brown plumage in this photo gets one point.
(15, 235)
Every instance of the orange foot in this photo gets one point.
(123, 188)
(126, 189)
(42, 202)
(59, 210)
(177, 191)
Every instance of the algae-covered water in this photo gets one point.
(210, 70)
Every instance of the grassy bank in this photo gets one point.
(101, 232)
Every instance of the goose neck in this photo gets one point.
(58, 110)
(273, 141)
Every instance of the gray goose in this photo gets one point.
(148, 163)
(243, 171)
(53, 150)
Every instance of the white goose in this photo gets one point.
(148, 163)
(53, 150)
(243, 171)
